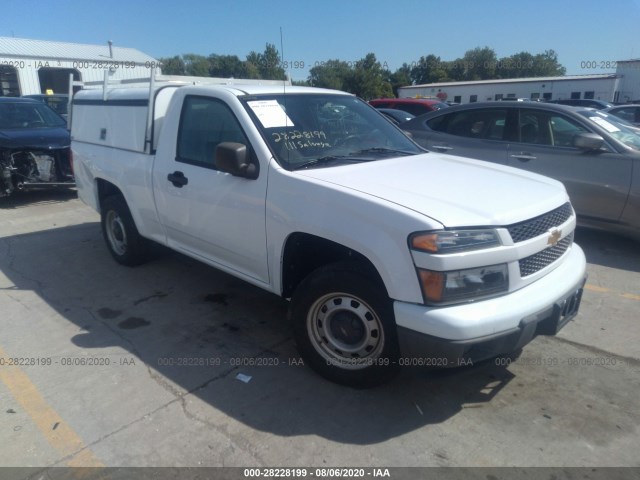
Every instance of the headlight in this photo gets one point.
(452, 241)
(456, 286)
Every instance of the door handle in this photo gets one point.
(524, 157)
(442, 148)
(178, 179)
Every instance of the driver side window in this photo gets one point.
(547, 128)
(204, 124)
(563, 130)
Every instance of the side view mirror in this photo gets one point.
(233, 158)
(588, 141)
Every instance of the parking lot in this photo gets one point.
(176, 364)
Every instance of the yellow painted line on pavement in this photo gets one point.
(596, 288)
(54, 429)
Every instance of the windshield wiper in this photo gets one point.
(351, 157)
(382, 150)
(321, 161)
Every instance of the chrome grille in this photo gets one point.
(536, 262)
(537, 226)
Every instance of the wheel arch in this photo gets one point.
(105, 189)
(303, 253)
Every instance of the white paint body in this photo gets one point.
(241, 226)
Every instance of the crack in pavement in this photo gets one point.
(630, 361)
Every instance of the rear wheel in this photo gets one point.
(344, 326)
(120, 233)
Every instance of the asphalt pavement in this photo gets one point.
(176, 364)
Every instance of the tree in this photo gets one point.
(271, 67)
(524, 64)
(519, 65)
(479, 64)
(333, 74)
(369, 79)
(196, 65)
(226, 66)
(400, 78)
(268, 64)
(252, 65)
(429, 69)
(546, 65)
(172, 65)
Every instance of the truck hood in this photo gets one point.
(455, 191)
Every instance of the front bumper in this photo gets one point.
(453, 336)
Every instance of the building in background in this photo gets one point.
(30, 67)
(620, 87)
(629, 71)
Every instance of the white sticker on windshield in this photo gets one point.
(609, 127)
(270, 113)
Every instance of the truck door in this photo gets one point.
(208, 214)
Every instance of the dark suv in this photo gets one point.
(34, 146)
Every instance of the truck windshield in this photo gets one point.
(311, 130)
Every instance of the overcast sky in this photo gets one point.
(597, 32)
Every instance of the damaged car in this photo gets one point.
(34, 147)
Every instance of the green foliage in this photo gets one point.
(546, 65)
(524, 64)
(481, 63)
(173, 65)
(429, 69)
(196, 65)
(265, 65)
(400, 78)
(226, 66)
(330, 74)
(367, 77)
(369, 80)
(478, 64)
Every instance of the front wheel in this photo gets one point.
(344, 326)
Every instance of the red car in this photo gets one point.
(415, 106)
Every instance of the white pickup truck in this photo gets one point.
(390, 255)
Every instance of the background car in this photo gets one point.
(583, 102)
(58, 102)
(415, 106)
(595, 155)
(34, 146)
(630, 113)
(396, 116)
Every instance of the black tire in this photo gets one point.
(344, 326)
(119, 230)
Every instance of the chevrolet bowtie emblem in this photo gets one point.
(554, 238)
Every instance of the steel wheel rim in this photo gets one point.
(116, 233)
(345, 331)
